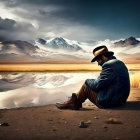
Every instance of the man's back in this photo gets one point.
(117, 90)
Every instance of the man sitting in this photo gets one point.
(110, 89)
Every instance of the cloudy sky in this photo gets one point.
(82, 20)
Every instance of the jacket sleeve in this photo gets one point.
(104, 79)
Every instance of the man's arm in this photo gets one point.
(104, 79)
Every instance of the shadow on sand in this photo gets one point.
(129, 105)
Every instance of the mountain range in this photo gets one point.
(60, 50)
(59, 43)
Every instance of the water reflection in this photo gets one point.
(36, 89)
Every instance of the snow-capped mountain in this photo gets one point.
(131, 41)
(59, 43)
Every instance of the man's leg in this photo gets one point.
(77, 99)
(87, 93)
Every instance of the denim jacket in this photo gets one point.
(112, 85)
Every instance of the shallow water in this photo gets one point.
(37, 89)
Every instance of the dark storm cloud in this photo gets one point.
(60, 14)
(119, 18)
(7, 24)
(44, 2)
(12, 30)
(115, 19)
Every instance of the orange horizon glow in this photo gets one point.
(57, 67)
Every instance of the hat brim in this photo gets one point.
(96, 57)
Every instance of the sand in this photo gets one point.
(50, 123)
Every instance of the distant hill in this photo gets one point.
(17, 47)
(17, 51)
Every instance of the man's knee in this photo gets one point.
(89, 82)
(84, 87)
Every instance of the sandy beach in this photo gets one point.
(50, 123)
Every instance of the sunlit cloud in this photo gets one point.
(6, 13)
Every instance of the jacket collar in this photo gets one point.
(110, 58)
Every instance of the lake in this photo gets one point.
(26, 89)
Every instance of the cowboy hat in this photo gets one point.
(99, 51)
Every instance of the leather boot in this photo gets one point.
(70, 104)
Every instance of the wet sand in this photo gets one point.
(50, 123)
